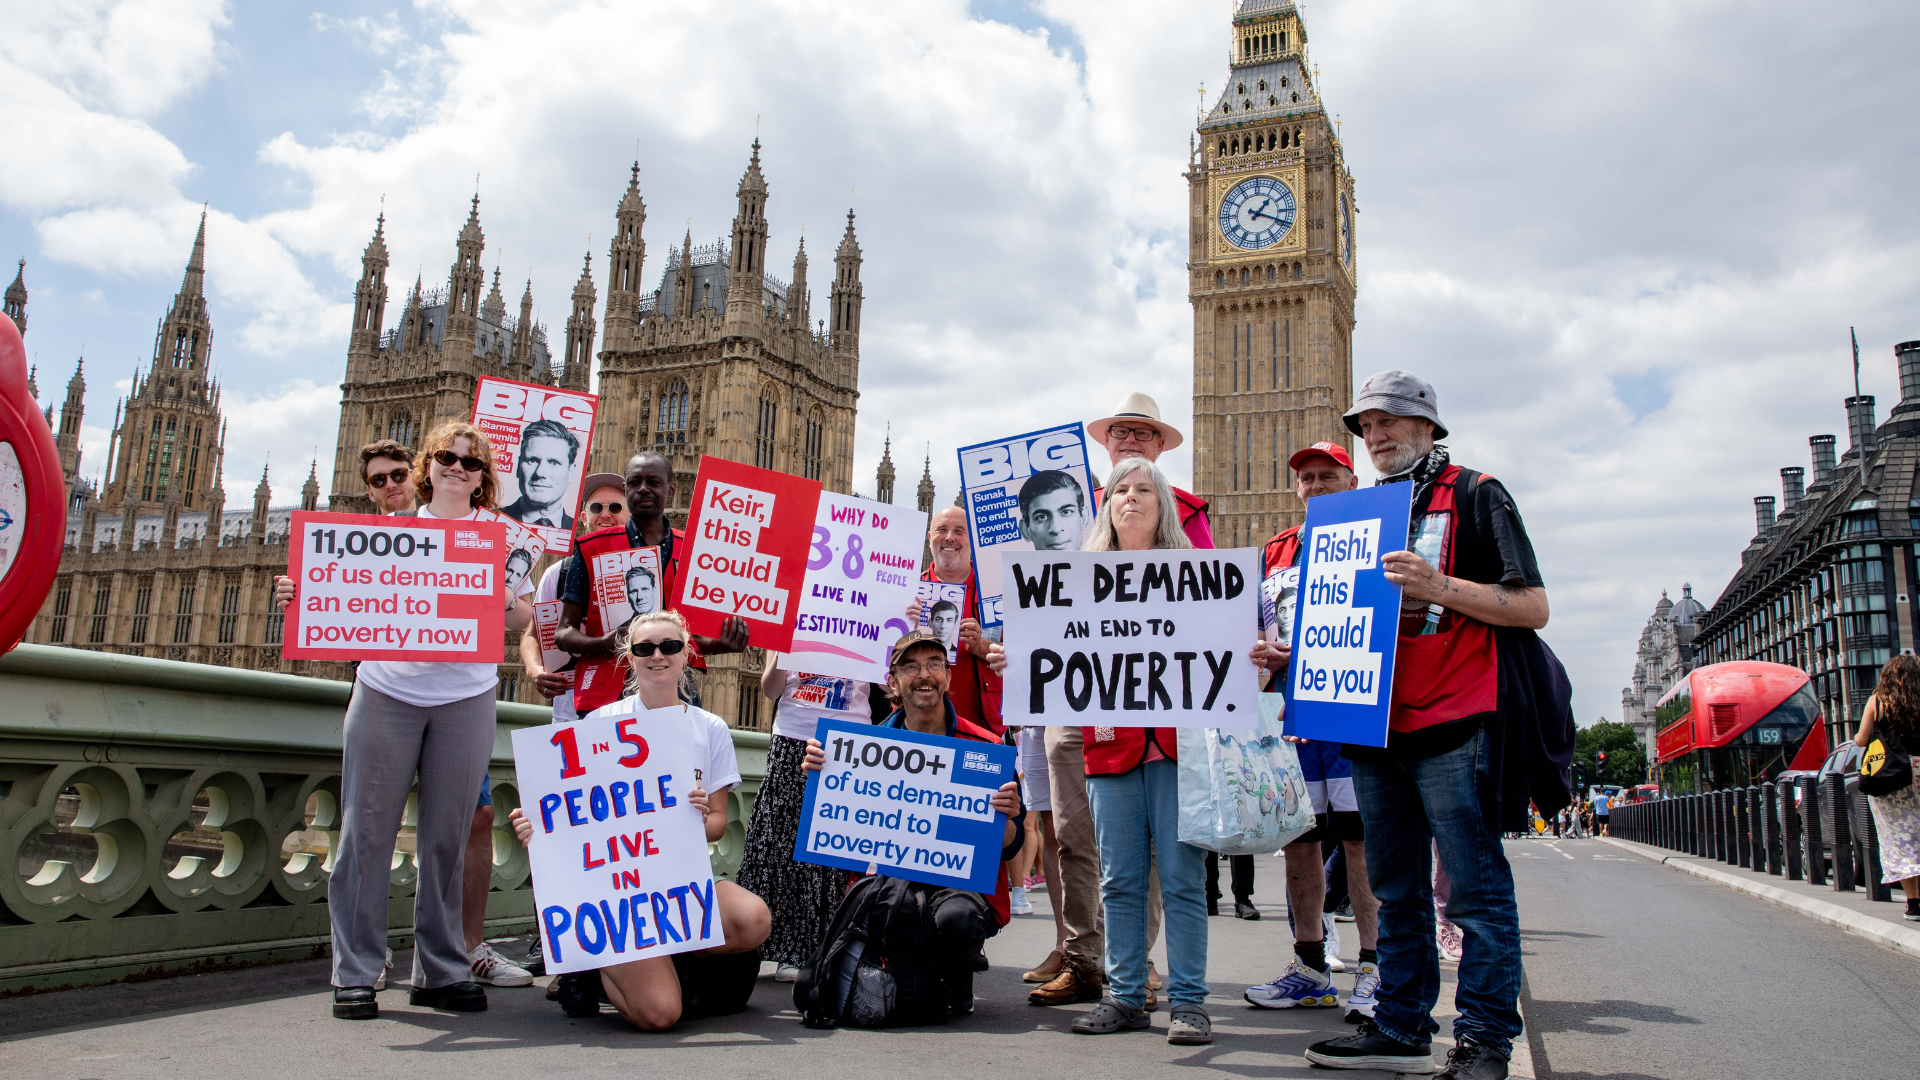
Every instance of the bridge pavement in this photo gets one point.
(1637, 971)
(275, 1023)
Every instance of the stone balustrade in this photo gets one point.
(161, 817)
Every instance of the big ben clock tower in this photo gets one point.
(1271, 254)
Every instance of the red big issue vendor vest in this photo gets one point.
(602, 680)
(1447, 675)
(1453, 673)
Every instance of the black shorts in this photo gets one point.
(1333, 825)
(1603, 818)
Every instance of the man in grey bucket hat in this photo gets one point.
(1401, 393)
(1469, 568)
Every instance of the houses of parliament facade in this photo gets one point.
(721, 358)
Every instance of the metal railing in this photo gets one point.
(160, 817)
(1820, 833)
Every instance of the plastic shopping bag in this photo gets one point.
(1242, 792)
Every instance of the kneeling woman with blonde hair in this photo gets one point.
(647, 992)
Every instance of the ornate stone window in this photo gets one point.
(142, 607)
(811, 446)
(764, 430)
(672, 424)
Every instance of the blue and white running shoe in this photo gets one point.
(1366, 989)
(1298, 985)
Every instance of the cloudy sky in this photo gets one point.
(1626, 241)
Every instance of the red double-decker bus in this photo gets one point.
(1732, 725)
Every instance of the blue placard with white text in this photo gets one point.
(907, 805)
(1347, 616)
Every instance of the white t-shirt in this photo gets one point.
(549, 591)
(430, 683)
(707, 734)
(807, 698)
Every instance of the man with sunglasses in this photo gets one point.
(601, 677)
(387, 467)
(605, 508)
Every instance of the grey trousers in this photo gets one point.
(386, 742)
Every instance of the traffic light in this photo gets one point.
(1603, 761)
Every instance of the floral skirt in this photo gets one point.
(800, 896)
(1897, 818)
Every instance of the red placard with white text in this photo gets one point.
(540, 437)
(747, 536)
(395, 588)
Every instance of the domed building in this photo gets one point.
(1666, 653)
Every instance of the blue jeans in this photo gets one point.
(1136, 820)
(1403, 804)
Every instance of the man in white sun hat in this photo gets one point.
(1136, 430)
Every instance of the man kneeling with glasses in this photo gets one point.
(962, 920)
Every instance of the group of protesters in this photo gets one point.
(1406, 842)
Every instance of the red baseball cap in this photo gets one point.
(1321, 449)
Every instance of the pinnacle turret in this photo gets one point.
(16, 298)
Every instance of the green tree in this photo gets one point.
(1626, 763)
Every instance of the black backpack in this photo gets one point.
(1887, 766)
(875, 967)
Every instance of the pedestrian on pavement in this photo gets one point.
(1307, 981)
(962, 920)
(650, 488)
(1895, 705)
(1469, 568)
(802, 896)
(1042, 851)
(605, 507)
(1240, 878)
(646, 993)
(976, 689)
(1602, 810)
(404, 718)
(1136, 430)
(1133, 794)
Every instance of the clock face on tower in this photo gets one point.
(1257, 213)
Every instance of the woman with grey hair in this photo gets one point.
(1133, 790)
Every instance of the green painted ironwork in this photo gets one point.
(158, 817)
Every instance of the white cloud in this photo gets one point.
(285, 433)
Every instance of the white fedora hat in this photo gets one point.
(1137, 406)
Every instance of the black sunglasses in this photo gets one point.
(667, 647)
(380, 480)
(449, 459)
(605, 508)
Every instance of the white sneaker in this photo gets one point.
(1017, 897)
(1447, 936)
(380, 983)
(1366, 987)
(492, 969)
(786, 973)
(1298, 986)
(1332, 929)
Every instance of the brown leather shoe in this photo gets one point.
(1048, 969)
(1076, 983)
(1153, 1002)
